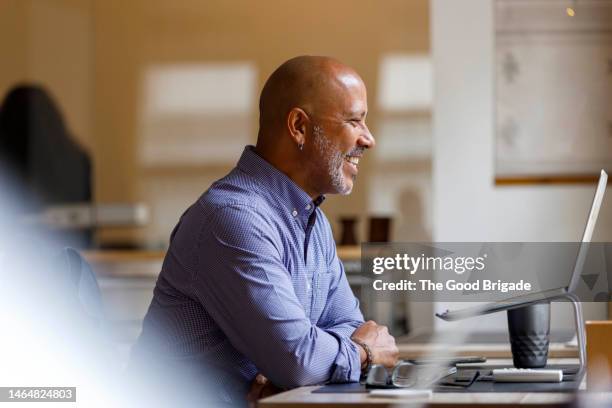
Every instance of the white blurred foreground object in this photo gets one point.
(86, 215)
(402, 393)
(526, 375)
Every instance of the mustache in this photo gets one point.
(357, 151)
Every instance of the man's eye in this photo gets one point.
(354, 122)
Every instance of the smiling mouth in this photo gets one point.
(353, 161)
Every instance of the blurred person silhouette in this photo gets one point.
(51, 310)
(43, 164)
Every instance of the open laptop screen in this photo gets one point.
(518, 301)
(588, 231)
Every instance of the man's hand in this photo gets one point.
(260, 388)
(381, 343)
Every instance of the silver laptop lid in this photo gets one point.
(588, 230)
(531, 298)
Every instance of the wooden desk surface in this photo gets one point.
(122, 255)
(146, 263)
(493, 344)
(303, 397)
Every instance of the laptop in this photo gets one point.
(532, 298)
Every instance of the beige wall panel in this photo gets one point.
(131, 36)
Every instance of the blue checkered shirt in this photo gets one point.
(252, 284)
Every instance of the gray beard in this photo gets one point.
(333, 160)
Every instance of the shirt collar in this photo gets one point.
(297, 201)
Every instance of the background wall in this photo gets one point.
(50, 43)
(263, 34)
(467, 205)
(164, 95)
(96, 61)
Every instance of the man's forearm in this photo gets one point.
(346, 328)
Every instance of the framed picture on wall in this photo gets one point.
(553, 90)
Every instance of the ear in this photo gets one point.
(297, 120)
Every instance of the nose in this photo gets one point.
(366, 139)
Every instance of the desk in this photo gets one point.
(346, 253)
(147, 263)
(494, 344)
(500, 350)
(497, 346)
(303, 398)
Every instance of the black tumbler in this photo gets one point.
(529, 329)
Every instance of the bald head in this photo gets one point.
(312, 123)
(311, 83)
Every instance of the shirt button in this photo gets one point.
(294, 213)
(308, 207)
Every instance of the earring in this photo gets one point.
(301, 146)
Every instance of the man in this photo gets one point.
(251, 282)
